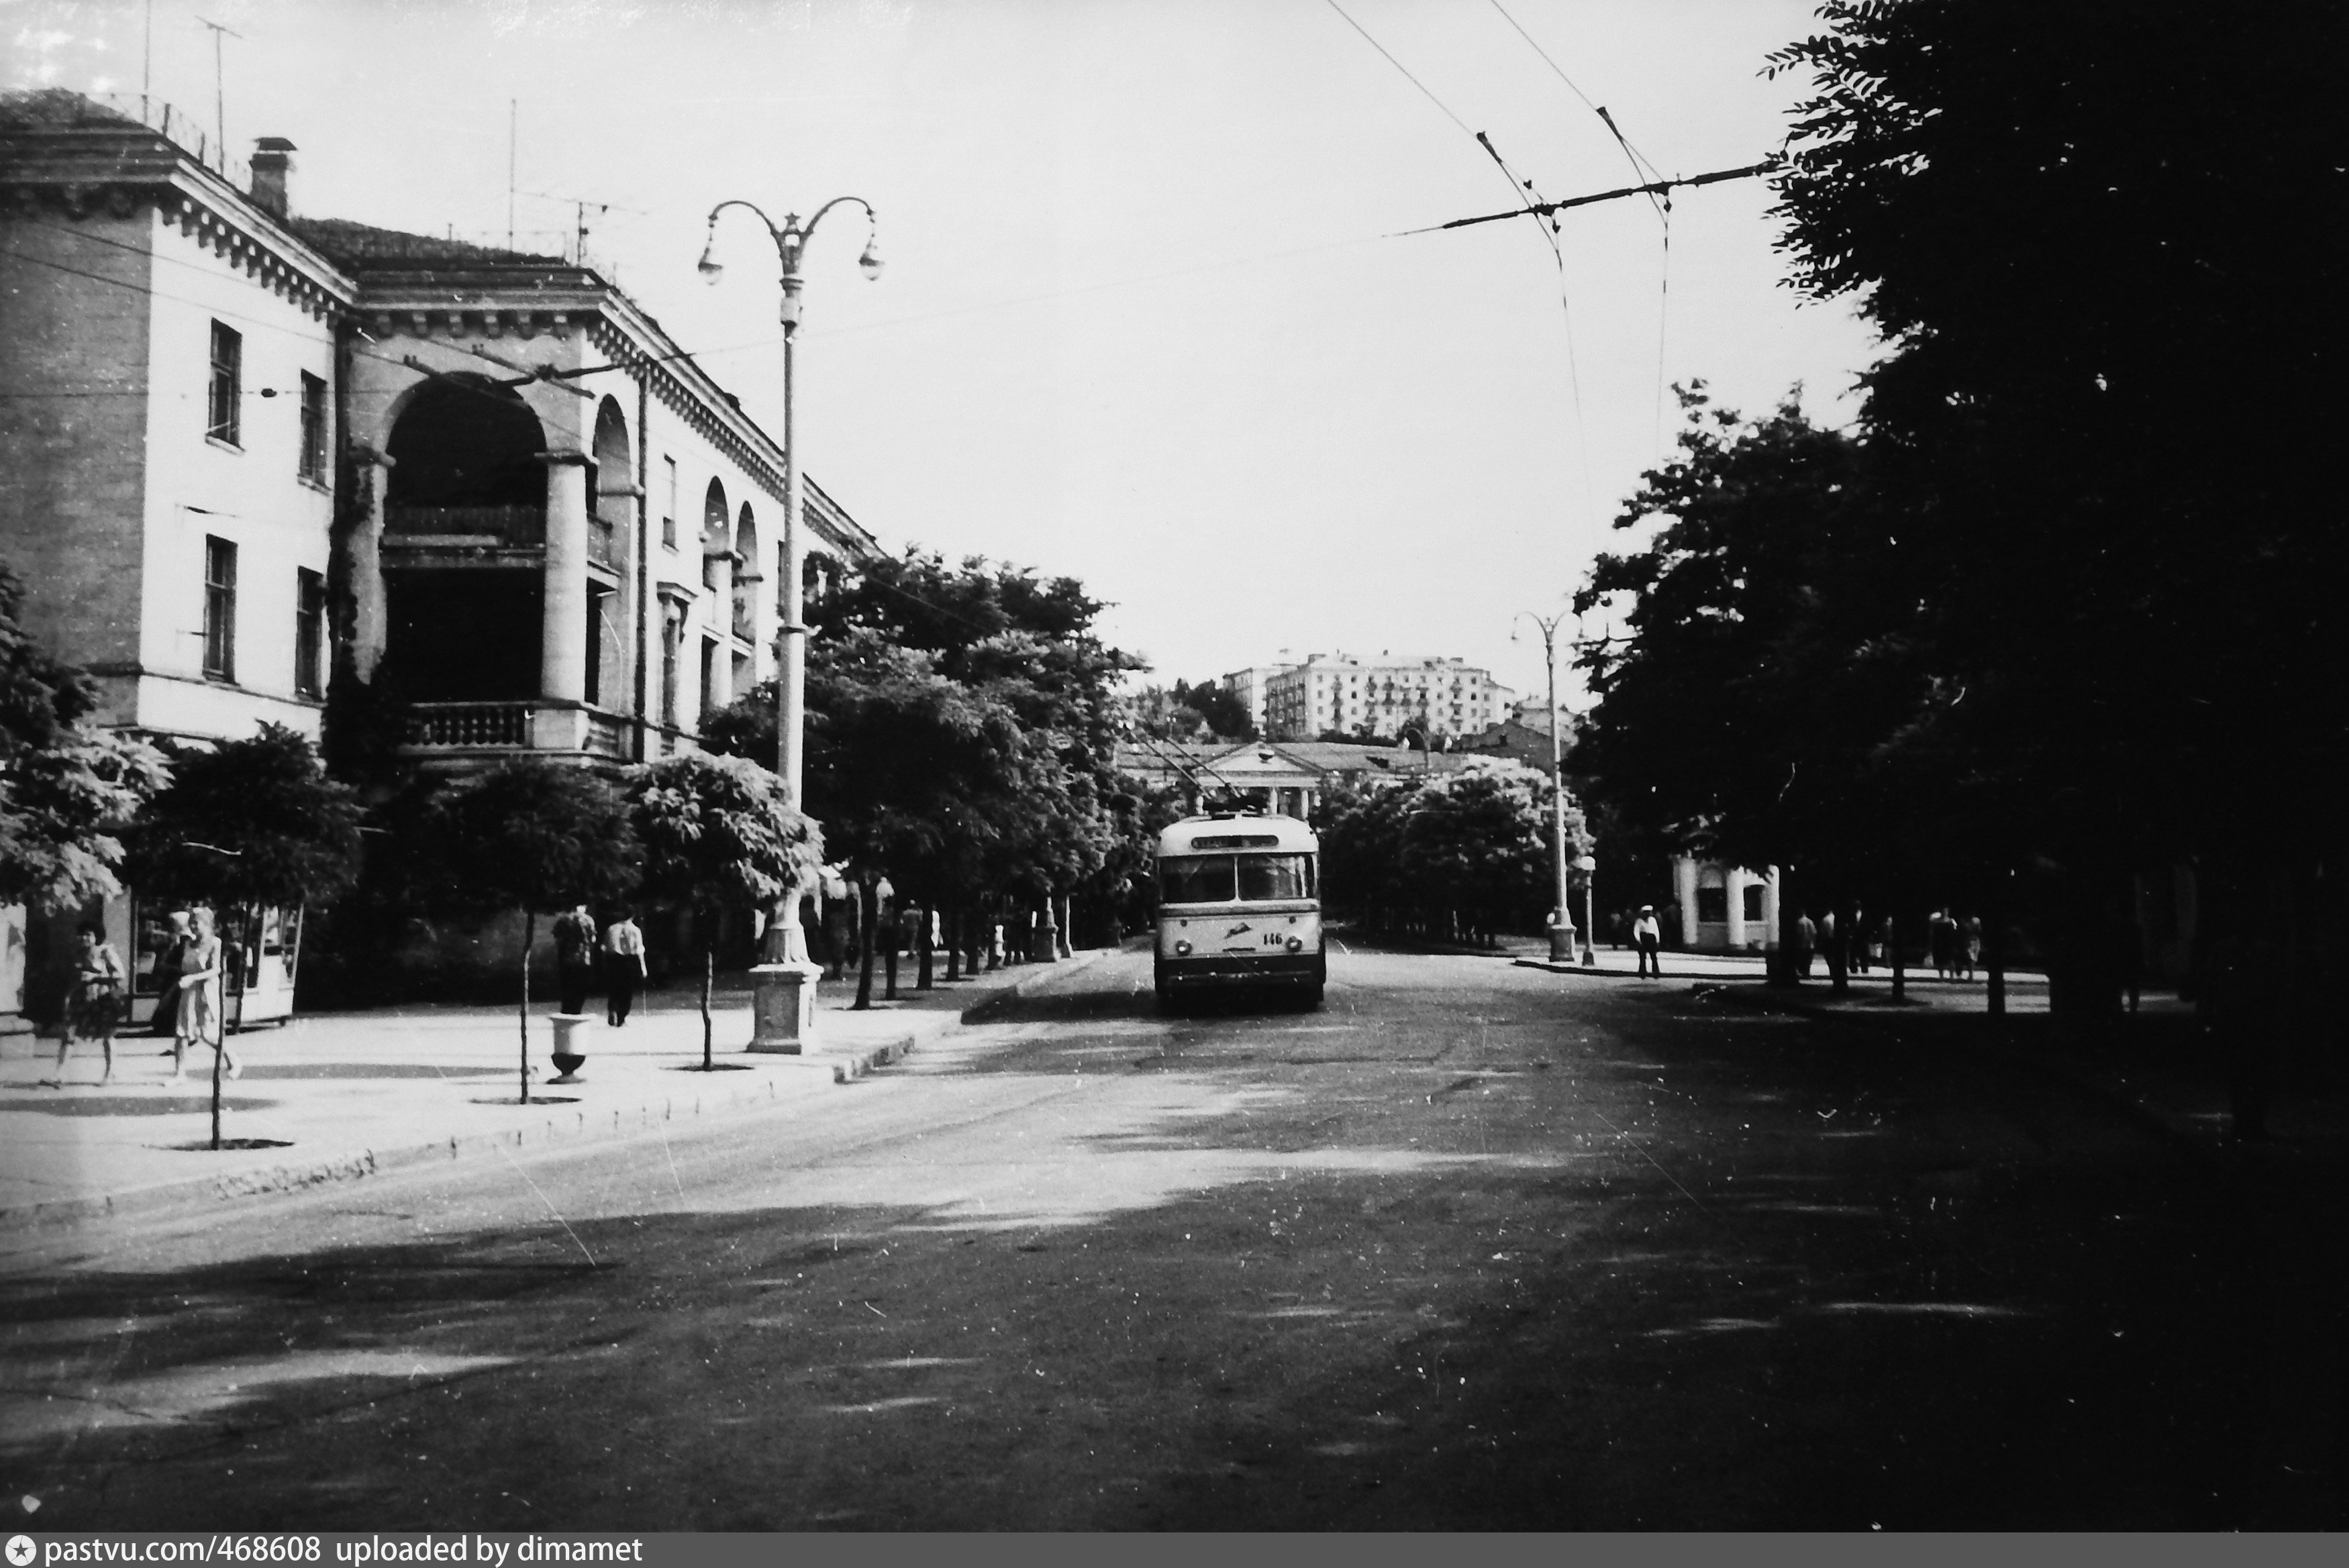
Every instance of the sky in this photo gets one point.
(1151, 316)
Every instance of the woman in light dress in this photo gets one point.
(200, 1019)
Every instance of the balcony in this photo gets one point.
(457, 730)
(465, 528)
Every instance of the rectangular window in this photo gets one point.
(669, 508)
(309, 632)
(219, 609)
(227, 385)
(314, 429)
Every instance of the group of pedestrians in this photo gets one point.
(617, 950)
(191, 966)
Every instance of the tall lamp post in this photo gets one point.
(1561, 928)
(786, 943)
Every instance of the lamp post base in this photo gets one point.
(783, 1007)
(1561, 944)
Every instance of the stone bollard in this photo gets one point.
(568, 1054)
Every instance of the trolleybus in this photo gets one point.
(1239, 905)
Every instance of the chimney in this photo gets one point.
(273, 161)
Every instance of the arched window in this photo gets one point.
(746, 572)
(717, 533)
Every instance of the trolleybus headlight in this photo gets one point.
(1297, 945)
(1182, 950)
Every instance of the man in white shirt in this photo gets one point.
(1648, 936)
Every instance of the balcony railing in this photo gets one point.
(469, 726)
(497, 527)
(507, 727)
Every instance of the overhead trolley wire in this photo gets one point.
(1518, 188)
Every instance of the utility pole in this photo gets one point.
(220, 90)
(1562, 925)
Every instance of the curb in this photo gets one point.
(571, 1123)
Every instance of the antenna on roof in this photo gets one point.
(513, 120)
(580, 204)
(220, 91)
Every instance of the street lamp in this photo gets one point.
(1561, 930)
(786, 943)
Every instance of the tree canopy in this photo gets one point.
(68, 788)
(961, 727)
(252, 824)
(2094, 432)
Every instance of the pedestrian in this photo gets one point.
(624, 967)
(200, 1022)
(574, 957)
(1970, 947)
(1941, 940)
(1858, 941)
(1648, 937)
(1806, 942)
(170, 957)
(835, 923)
(96, 1006)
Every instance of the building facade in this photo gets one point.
(1380, 696)
(245, 452)
(1250, 686)
(1725, 908)
(247, 455)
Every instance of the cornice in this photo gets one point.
(121, 170)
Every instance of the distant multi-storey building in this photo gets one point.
(1249, 685)
(1379, 696)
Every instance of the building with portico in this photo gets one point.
(246, 454)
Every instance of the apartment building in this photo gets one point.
(1382, 696)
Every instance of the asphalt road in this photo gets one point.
(1472, 1246)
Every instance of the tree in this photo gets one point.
(1185, 712)
(66, 788)
(246, 826)
(716, 834)
(1767, 705)
(2097, 431)
(909, 772)
(1462, 854)
(533, 837)
(1003, 669)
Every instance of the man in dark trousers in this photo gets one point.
(1648, 936)
(574, 957)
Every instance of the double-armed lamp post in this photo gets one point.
(786, 943)
(1561, 927)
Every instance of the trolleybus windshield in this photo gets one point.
(1231, 878)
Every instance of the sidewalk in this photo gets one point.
(2155, 1066)
(340, 1096)
(2025, 991)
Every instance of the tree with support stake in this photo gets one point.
(717, 835)
(246, 827)
(533, 837)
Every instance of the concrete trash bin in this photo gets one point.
(568, 1054)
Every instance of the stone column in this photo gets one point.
(370, 616)
(1733, 885)
(1684, 891)
(717, 573)
(561, 721)
(1770, 911)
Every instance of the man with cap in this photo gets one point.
(1648, 936)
